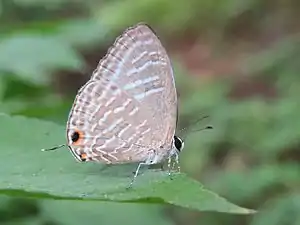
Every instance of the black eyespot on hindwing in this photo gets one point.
(75, 136)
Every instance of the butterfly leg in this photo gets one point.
(169, 166)
(136, 173)
(177, 162)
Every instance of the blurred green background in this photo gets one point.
(237, 61)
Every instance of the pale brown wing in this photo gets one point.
(107, 125)
(140, 66)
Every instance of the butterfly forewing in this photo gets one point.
(139, 65)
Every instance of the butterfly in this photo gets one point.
(127, 112)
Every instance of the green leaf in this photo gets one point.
(26, 171)
(70, 212)
(77, 213)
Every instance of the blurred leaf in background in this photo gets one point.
(235, 61)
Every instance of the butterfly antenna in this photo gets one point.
(53, 148)
(208, 127)
(193, 123)
(189, 127)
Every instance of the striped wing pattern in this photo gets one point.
(103, 115)
(129, 105)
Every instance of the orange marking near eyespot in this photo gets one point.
(83, 156)
(81, 135)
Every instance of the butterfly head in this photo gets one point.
(178, 143)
